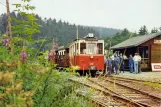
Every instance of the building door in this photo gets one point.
(144, 53)
(156, 54)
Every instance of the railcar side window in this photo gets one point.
(76, 49)
(73, 49)
(100, 48)
(82, 48)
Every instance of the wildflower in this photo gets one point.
(51, 55)
(6, 41)
(55, 45)
(23, 56)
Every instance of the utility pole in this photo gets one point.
(8, 29)
(76, 47)
(77, 34)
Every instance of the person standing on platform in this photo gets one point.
(118, 61)
(112, 57)
(116, 64)
(109, 66)
(139, 63)
(136, 61)
(131, 63)
(105, 59)
(121, 65)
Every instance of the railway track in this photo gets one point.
(101, 95)
(135, 85)
(137, 80)
(97, 97)
(120, 87)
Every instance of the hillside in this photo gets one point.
(63, 32)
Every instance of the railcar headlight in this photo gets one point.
(91, 57)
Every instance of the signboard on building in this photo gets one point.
(157, 41)
(156, 66)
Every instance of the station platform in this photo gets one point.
(144, 76)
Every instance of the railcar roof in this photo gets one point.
(135, 41)
(61, 48)
(88, 38)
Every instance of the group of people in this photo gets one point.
(135, 62)
(115, 63)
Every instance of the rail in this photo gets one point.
(122, 89)
(109, 95)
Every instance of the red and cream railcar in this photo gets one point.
(86, 53)
(62, 57)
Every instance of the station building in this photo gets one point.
(148, 46)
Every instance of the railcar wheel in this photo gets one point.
(85, 72)
(80, 72)
(93, 73)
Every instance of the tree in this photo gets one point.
(1, 26)
(58, 30)
(143, 30)
(4, 22)
(118, 37)
(160, 29)
(154, 30)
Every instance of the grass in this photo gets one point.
(153, 85)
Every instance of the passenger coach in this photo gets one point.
(86, 53)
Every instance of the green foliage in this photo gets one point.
(35, 83)
(26, 26)
(53, 89)
(153, 85)
(119, 37)
(49, 28)
(73, 101)
(154, 30)
(143, 30)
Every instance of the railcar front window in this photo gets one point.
(91, 48)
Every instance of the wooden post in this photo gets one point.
(8, 29)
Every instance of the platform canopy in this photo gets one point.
(135, 41)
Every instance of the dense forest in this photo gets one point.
(63, 32)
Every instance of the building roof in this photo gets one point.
(135, 41)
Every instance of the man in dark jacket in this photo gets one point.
(116, 64)
(121, 65)
(131, 63)
(105, 59)
(109, 65)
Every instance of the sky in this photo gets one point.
(119, 14)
